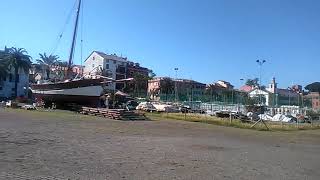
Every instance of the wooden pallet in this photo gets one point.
(118, 114)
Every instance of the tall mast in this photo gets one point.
(73, 41)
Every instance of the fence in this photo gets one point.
(226, 99)
(211, 107)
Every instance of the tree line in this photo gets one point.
(14, 59)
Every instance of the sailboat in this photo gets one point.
(83, 91)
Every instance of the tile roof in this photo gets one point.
(246, 88)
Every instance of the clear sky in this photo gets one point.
(207, 40)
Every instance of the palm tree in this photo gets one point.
(47, 61)
(17, 58)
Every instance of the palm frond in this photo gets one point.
(39, 61)
(48, 60)
(18, 58)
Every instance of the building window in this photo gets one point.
(93, 58)
(0, 88)
(114, 62)
(107, 66)
(107, 60)
(92, 65)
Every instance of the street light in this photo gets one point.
(260, 63)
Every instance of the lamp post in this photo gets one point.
(260, 63)
(175, 85)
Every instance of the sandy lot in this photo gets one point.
(37, 145)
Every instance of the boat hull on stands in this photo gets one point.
(83, 92)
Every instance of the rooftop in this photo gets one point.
(109, 56)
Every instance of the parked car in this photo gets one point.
(146, 106)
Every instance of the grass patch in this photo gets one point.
(273, 126)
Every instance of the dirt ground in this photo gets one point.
(63, 145)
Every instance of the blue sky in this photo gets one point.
(207, 40)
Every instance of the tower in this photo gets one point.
(273, 86)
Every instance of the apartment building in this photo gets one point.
(7, 84)
(113, 66)
(187, 90)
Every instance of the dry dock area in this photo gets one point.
(64, 145)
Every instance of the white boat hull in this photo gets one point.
(88, 96)
(80, 91)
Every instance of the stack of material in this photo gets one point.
(112, 113)
(118, 114)
(90, 111)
